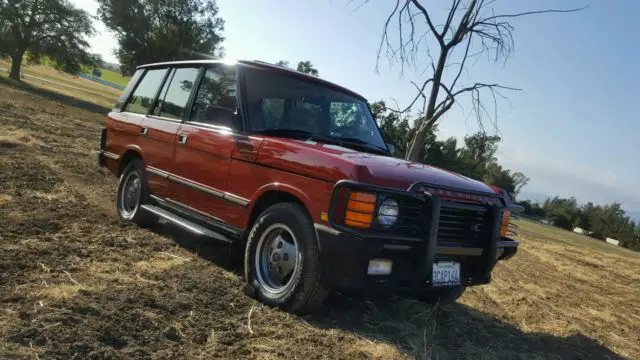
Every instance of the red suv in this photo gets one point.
(294, 170)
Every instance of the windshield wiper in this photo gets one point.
(307, 135)
(360, 142)
(286, 133)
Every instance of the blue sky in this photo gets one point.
(572, 129)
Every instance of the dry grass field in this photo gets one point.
(76, 283)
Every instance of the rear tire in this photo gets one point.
(440, 296)
(282, 260)
(133, 191)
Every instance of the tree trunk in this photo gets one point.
(417, 144)
(16, 62)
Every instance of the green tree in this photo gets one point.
(162, 30)
(496, 175)
(394, 129)
(303, 66)
(52, 28)
(307, 68)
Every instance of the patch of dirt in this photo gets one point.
(75, 282)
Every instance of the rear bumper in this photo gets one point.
(345, 260)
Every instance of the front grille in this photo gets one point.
(462, 223)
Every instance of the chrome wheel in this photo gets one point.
(130, 195)
(277, 259)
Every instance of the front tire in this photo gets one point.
(282, 259)
(133, 191)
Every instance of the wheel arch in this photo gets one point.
(274, 194)
(125, 159)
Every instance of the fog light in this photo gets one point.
(379, 267)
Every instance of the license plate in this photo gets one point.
(446, 274)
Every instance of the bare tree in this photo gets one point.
(470, 25)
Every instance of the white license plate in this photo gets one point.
(446, 274)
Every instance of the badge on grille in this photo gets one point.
(475, 227)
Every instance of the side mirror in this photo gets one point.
(392, 148)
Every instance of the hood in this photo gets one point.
(334, 163)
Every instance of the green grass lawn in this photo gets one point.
(567, 237)
(113, 76)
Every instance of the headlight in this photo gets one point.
(388, 212)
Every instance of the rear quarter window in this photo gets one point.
(127, 90)
(142, 98)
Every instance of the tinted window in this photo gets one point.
(282, 103)
(142, 98)
(175, 93)
(216, 101)
(132, 82)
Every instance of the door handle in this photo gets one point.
(144, 131)
(182, 138)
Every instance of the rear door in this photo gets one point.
(161, 124)
(205, 142)
(137, 108)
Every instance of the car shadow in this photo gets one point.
(55, 96)
(218, 253)
(451, 331)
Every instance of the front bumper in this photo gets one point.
(345, 260)
(346, 253)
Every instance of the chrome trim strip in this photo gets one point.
(194, 210)
(157, 172)
(200, 187)
(326, 228)
(217, 128)
(110, 155)
(156, 117)
(507, 243)
(397, 247)
(196, 186)
(450, 250)
(236, 199)
(156, 199)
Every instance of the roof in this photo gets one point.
(263, 65)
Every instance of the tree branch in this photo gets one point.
(425, 13)
(534, 13)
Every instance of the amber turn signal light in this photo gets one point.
(504, 227)
(360, 209)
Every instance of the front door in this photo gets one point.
(205, 142)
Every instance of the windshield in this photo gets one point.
(286, 106)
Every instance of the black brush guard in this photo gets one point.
(417, 260)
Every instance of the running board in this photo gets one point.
(185, 224)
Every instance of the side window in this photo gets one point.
(174, 96)
(216, 102)
(127, 90)
(142, 98)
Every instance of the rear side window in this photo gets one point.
(127, 90)
(142, 98)
(216, 102)
(174, 96)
